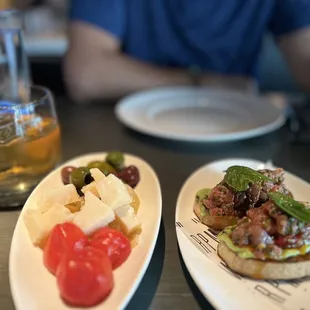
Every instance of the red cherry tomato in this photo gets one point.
(85, 278)
(114, 243)
(63, 237)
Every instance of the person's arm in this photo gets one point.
(291, 27)
(296, 50)
(95, 68)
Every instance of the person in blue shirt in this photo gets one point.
(121, 46)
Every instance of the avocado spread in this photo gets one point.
(247, 252)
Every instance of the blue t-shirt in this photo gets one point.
(222, 36)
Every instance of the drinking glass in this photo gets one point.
(29, 144)
(29, 130)
(14, 67)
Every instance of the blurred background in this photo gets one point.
(45, 38)
(45, 27)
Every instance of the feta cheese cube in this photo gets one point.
(129, 221)
(63, 195)
(97, 174)
(91, 188)
(40, 224)
(113, 192)
(93, 215)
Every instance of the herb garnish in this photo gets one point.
(294, 208)
(239, 177)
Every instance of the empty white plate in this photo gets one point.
(34, 288)
(198, 244)
(199, 114)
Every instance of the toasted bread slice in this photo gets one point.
(291, 268)
(215, 222)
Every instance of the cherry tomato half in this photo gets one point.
(85, 278)
(63, 238)
(114, 243)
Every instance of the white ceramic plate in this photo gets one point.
(34, 288)
(202, 115)
(223, 288)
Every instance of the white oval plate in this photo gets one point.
(223, 288)
(34, 288)
(199, 114)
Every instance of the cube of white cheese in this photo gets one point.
(113, 192)
(63, 195)
(93, 215)
(91, 188)
(35, 225)
(129, 221)
(97, 174)
(40, 224)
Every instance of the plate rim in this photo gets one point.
(213, 138)
(153, 242)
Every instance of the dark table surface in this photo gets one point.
(166, 284)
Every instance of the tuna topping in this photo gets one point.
(224, 200)
(269, 230)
